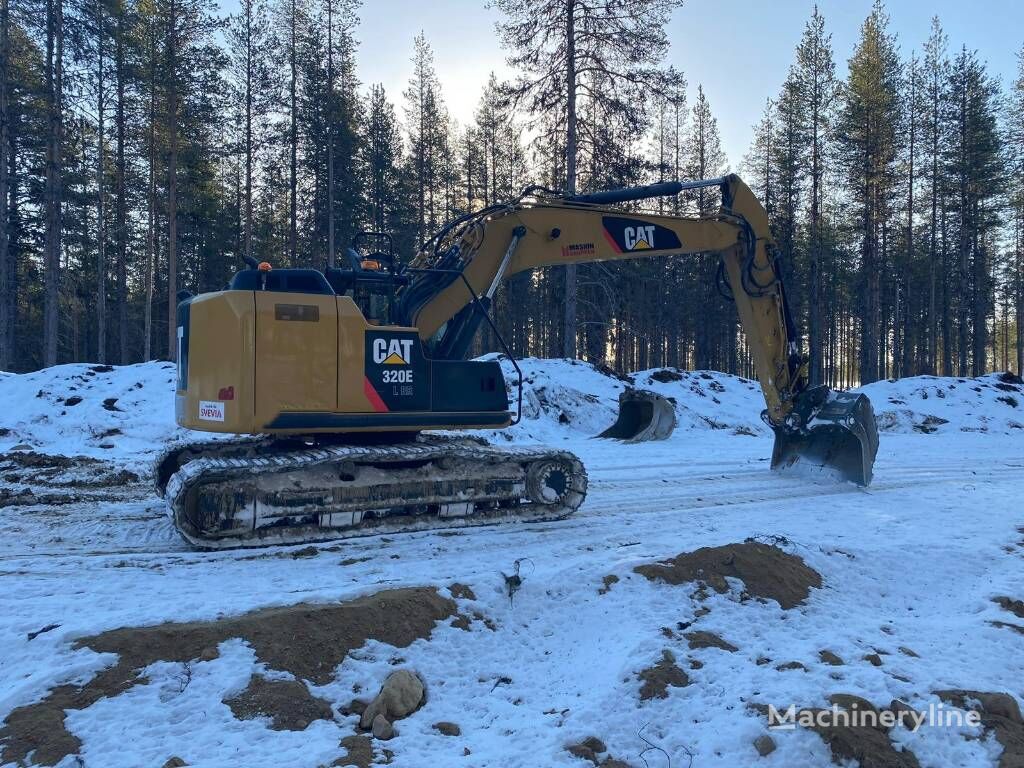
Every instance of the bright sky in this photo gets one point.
(739, 50)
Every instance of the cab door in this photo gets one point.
(296, 367)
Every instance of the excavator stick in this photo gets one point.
(829, 430)
(643, 416)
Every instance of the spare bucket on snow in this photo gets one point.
(830, 430)
(643, 416)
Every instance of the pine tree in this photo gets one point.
(867, 137)
(572, 53)
(815, 78)
(934, 75)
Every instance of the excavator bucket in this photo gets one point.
(643, 415)
(832, 430)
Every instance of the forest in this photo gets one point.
(146, 146)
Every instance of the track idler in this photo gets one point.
(643, 415)
(829, 430)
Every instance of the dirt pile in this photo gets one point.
(766, 571)
(288, 703)
(309, 641)
(591, 749)
(1000, 716)
(658, 678)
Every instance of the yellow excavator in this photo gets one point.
(333, 380)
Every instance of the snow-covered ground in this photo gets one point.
(909, 570)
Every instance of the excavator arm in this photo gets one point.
(831, 429)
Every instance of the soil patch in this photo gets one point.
(309, 641)
(1016, 607)
(658, 678)
(1000, 715)
(765, 571)
(461, 591)
(359, 752)
(288, 703)
(869, 747)
(701, 639)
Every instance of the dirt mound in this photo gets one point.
(765, 571)
(701, 639)
(869, 747)
(1000, 715)
(658, 678)
(309, 641)
(288, 703)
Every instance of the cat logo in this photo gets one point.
(638, 238)
(392, 351)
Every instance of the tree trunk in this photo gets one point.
(120, 203)
(172, 184)
(569, 317)
(53, 192)
(7, 297)
(147, 336)
(294, 146)
(330, 133)
(249, 129)
(101, 235)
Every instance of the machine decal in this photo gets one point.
(211, 410)
(396, 371)
(371, 394)
(625, 235)
(392, 351)
(578, 250)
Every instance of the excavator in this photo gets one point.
(348, 394)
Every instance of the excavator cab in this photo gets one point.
(372, 278)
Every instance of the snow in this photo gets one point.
(912, 561)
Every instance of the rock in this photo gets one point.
(764, 745)
(382, 729)
(830, 658)
(175, 762)
(874, 659)
(448, 729)
(905, 713)
(790, 665)
(588, 749)
(908, 652)
(401, 694)
(582, 752)
(852, 703)
(1001, 704)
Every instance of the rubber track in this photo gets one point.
(214, 469)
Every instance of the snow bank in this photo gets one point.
(563, 395)
(990, 403)
(123, 414)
